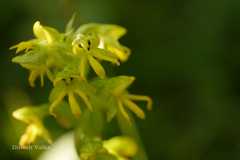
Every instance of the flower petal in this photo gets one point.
(141, 98)
(123, 111)
(134, 108)
(39, 31)
(104, 55)
(56, 102)
(121, 52)
(31, 134)
(45, 33)
(97, 67)
(74, 105)
(85, 99)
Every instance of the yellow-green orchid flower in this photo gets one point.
(44, 36)
(121, 147)
(70, 88)
(36, 62)
(40, 53)
(117, 88)
(33, 117)
(109, 38)
(86, 47)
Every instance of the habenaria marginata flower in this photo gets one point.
(109, 38)
(39, 53)
(87, 48)
(32, 116)
(70, 88)
(122, 147)
(115, 89)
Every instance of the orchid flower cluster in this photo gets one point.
(73, 62)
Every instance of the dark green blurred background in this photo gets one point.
(185, 54)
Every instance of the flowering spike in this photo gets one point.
(134, 108)
(83, 68)
(100, 54)
(66, 58)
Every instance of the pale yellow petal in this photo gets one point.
(56, 102)
(134, 108)
(32, 77)
(83, 68)
(74, 105)
(29, 136)
(141, 98)
(97, 67)
(85, 99)
(38, 30)
(25, 45)
(104, 55)
(41, 33)
(123, 112)
(121, 53)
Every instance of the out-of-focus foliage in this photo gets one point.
(185, 54)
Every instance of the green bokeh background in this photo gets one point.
(185, 55)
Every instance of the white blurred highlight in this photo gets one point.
(62, 149)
